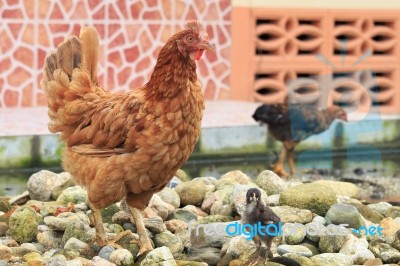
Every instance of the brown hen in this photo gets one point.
(125, 146)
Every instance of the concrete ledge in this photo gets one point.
(228, 131)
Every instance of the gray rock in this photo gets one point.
(340, 188)
(50, 239)
(108, 213)
(357, 249)
(79, 230)
(183, 215)
(160, 207)
(293, 234)
(314, 197)
(224, 194)
(209, 255)
(170, 196)
(381, 207)
(273, 200)
(319, 219)
(175, 225)
(393, 212)
(41, 184)
(313, 248)
(155, 225)
(238, 247)
(304, 261)
(296, 249)
(192, 192)
(293, 215)
(209, 199)
(76, 244)
(331, 244)
(233, 177)
(66, 181)
(159, 256)
(97, 261)
(391, 256)
(23, 224)
(61, 222)
(270, 182)
(105, 252)
(214, 236)
(121, 217)
(368, 213)
(332, 259)
(219, 209)
(384, 251)
(3, 229)
(396, 242)
(169, 240)
(313, 232)
(238, 197)
(121, 257)
(74, 194)
(344, 214)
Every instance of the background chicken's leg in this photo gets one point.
(144, 240)
(278, 169)
(291, 162)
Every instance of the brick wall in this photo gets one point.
(131, 32)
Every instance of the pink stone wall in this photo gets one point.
(131, 32)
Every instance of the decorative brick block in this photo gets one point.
(317, 56)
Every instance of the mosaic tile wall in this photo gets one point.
(131, 32)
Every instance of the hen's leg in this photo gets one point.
(144, 240)
(98, 224)
(100, 233)
(278, 169)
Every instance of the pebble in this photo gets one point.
(296, 249)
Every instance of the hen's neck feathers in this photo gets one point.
(171, 74)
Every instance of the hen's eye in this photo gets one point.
(190, 38)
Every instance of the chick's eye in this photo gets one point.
(190, 38)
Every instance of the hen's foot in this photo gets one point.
(145, 245)
(102, 241)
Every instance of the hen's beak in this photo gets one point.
(206, 46)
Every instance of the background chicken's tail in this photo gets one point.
(70, 81)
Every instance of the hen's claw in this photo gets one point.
(145, 246)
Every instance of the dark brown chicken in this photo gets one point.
(293, 123)
(125, 146)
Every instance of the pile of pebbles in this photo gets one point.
(51, 224)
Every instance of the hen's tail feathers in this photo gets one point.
(90, 50)
(70, 75)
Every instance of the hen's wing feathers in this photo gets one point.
(90, 150)
(107, 127)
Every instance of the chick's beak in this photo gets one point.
(206, 46)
